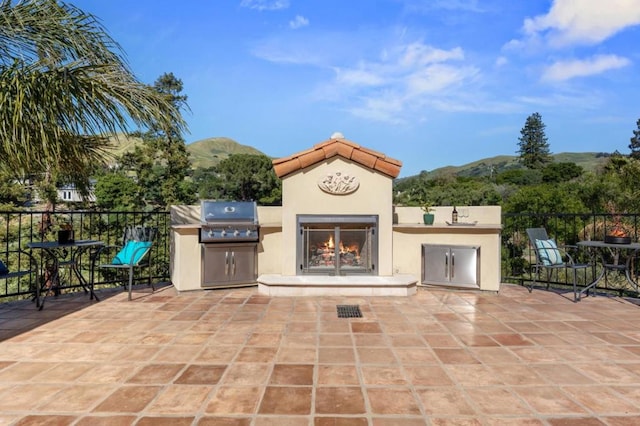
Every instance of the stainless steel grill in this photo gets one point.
(229, 235)
(228, 221)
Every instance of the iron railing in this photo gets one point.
(567, 229)
(18, 228)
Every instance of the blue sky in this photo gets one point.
(428, 82)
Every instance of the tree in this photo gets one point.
(561, 172)
(242, 177)
(116, 191)
(545, 198)
(65, 87)
(12, 192)
(534, 149)
(634, 146)
(161, 164)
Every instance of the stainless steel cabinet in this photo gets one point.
(228, 264)
(457, 266)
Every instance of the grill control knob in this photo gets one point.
(236, 233)
(248, 232)
(223, 233)
(210, 233)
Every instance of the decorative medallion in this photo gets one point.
(338, 183)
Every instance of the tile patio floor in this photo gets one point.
(234, 357)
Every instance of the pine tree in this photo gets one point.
(534, 148)
(634, 146)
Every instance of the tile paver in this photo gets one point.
(234, 357)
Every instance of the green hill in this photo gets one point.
(123, 143)
(589, 161)
(204, 153)
(209, 152)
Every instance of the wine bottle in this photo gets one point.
(454, 215)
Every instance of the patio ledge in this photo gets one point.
(324, 285)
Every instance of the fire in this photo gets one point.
(342, 248)
(330, 243)
(617, 232)
(353, 248)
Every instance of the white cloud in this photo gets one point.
(298, 22)
(265, 4)
(405, 78)
(437, 78)
(571, 22)
(387, 108)
(501, 61)
(565, 70)
(358, 77)
(416, 54)
(429, 5)
(394, 83)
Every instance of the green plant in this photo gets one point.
(427, 206)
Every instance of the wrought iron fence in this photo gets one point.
(18, 228)
(566, 229)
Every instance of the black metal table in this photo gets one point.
(63, 254)
(599, 247)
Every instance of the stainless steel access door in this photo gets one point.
(228, 264)
(457, 266)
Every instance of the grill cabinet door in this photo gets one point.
(450, 265)
(435, 269)
(242, 264)
(225, 264)
(464, 267)
(215, 265)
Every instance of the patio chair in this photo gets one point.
(8, 273)
(550, 257)
(134, 253)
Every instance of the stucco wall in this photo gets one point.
(409, 234)
(270, 245)
(301, 195)
(400, 243)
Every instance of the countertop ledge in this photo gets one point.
(444, 226)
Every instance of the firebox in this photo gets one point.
(337, 244)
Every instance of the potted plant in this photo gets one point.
(427, 208)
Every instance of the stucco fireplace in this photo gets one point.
(337, 244)
(337, 213)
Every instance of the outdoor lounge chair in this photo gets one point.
(134, 253)
(7, 273)
(550, 257)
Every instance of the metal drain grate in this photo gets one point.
(349, 311)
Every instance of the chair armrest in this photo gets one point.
(33, 265)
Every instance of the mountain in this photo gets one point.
(122, 143)
(589, 161)
(204, 153)
(209, 152)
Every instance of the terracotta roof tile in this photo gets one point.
(364, 158)
(286, 167)
(310, 158)
(343, 148)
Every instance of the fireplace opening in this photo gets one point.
(337, 244)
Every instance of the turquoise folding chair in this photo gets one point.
(134, 253)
